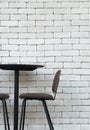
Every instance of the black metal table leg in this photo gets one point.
(16, 95)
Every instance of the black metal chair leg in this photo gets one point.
(24, 109)
(47, 115)
(22, 119)
(5, 115)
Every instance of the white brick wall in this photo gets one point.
(55, 33)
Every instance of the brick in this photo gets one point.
(17, 5)
(18, 17)
(63, 47)
(62, 11)
(71, 29)
(61, 23)
(52, 41)
(72, 102)
(79, 121)
(26, 23)
(27, 47)
(9, 35)
(26, 11)
(36, 17)
(45, 59)
(62, 35)
(50, 53)
(63, 108)
(70, 53)
(84, 114)
(44, 23)
(18, 29)
(84, 40)
(35, 29)
(72, 65)
(71, 16)
(35, 53)
(81, 108)
(70, 4)
(80, 22)
(84, 29)
(9, 23)
(70, 127)
(4, 17)
(4, 41)
(71, 77)
(17, 41)
(9, 47)
(63, 58)
(27, 35)
(44, 11)
(57, 65)
(53, 29)
(70, 40)
(63, 120)
(44, 35)
(79, 10)
(10, 60)
(86, 126)
(79, 34)
(45, 47)
(81, 58)
(8, 11)
(4, 53)
(79, 96)
(28, 59)
(4, 5)
(84, 4)
(70, 114)
(35, 5)
(17, 53)
(52, 5)
(35, 41)
(4, 29)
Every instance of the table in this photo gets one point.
(17, 68)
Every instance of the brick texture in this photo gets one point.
(55, 33)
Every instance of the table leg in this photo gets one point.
(16, 95)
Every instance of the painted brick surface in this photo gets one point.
(55, 33)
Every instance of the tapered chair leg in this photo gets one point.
(5, 115)
(47, 115)
(22, 119)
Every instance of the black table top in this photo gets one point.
(21, 67)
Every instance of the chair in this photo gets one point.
(3, 98)
(42, 97)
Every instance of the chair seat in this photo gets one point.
(36, 96)
(4, 96)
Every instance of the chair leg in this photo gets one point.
(5, 115)
(48, 115)
(22, 119)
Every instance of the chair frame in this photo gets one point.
(23, 109)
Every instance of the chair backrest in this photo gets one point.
(56, 82)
